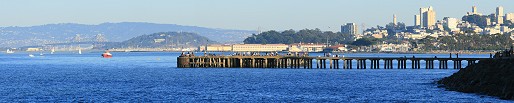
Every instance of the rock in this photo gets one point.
(493, 77)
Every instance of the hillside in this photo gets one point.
(112, 32)
(163, 39)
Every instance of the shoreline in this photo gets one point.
(488, 77)
(447, 52)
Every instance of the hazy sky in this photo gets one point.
(236, 14)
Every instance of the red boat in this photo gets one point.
(106, 54)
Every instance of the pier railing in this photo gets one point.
(307, 62)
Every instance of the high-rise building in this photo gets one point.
(428, 17)
(499, 20)
(509, 17)
(394, 19)
(417, 20)
(474, 10)
(422, 12)
(349, 28)
(499, 15)
(488, 21)
(499, 11)
(451, 23)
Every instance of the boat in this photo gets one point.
(53, 50)
(30, 55)
(9, 51)
(106, 54)
(80, 51)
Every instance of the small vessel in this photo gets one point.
(53, 50)
(30, 55)
(9, 51)
(80, 51)
(106, 54)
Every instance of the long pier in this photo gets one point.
(306, 62)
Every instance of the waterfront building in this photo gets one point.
(417, 20)
(307, 47)
(218, 48)
(349, 28)
(499, 15)
(403, 47)
(259, 47)
(33, 49)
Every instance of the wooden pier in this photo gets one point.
(305, 62)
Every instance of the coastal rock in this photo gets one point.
(493, 77)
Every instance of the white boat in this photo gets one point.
(53, 50)
(80, 51)
(9, 51)
(30, 55)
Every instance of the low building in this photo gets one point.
(219, 48)
(404, 47)
(307, 47)
(259, 47)
(33, 49)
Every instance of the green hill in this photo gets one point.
(163, 39)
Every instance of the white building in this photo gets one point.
(259, 47)
(452, 23)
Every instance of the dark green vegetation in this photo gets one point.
(303, 36)
(466, 42)
(481, 21)
(163, 39)
(489, 77)
(366, 41)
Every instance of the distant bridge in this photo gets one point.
(306, 62)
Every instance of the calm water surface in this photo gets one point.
(145, 77)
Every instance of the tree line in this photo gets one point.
(301, 36)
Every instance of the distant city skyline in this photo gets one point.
(236, 14)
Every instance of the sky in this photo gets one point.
(236, 14)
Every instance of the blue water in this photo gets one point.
(153, 77)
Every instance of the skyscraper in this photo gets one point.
(427, 16)
(349, 28)
(394, 19)
(417, 20)
(474, 10)
(499, 15)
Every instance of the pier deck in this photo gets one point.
(307, 62)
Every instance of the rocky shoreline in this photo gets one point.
(493, 77)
